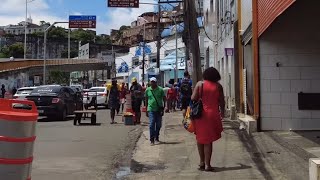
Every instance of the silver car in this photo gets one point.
(22, 93)
(100, 93)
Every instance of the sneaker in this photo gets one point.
(157, 142)
(152, 143)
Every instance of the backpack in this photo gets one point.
(185, 88)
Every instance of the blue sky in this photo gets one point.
(13, 11)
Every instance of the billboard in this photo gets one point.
(123, 3)
(82, 21)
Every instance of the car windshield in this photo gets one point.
(97, 89)
(24, 91)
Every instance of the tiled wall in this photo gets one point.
(293, 43)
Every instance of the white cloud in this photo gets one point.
(124, 16)
(13, 12)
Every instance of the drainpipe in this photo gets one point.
(240, 57)
(256, 77)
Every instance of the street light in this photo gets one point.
(25, 30)
(45, 49)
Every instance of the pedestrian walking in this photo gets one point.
(143, 94)
(114, 100)
(136, 99)
(3, 91)
(178, 101)
(208, 127)
(185, 88)
(155, 101)
(123, 93)
(171, 99)
(14, 91)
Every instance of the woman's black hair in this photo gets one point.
(211, 74)
(186, 74)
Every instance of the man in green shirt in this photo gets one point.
(155, 101)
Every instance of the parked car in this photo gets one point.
(22, 93)
(55, 102)
(101, 93)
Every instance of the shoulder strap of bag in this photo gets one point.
(155, 98)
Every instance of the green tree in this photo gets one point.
(73, 53)
(59, 77)
(84, 36)
(103, 40)
(58, 32)
(16, 50)
(44, 23)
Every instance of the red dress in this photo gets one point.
(208, 128)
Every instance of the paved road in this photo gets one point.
(67, 152)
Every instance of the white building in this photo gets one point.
(20, 28)
(220, 17)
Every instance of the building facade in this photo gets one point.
(281, 63)
(220, 20)
(20, 28)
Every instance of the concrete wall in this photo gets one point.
(18, 81)
(292, 41)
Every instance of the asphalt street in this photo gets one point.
(67, 152)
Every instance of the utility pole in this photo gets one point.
(143, 53)
(185, 36)
(193, 35)
(176, 37)
(25, 32)
(158, 36)
(69, 43)
(45, 50)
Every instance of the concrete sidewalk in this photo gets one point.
(235, 156)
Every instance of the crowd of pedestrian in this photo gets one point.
(177, 95)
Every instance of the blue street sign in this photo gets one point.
(82, 21)
(82, 18)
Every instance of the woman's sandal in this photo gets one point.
(202, 167)
(209, 169)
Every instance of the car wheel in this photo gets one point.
(63, 115)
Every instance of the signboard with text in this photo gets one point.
(82, 21)
(123, 3)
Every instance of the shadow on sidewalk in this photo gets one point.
(252, 148)
(173, 143)
(89, 124)
(313, 136)
(242, 166)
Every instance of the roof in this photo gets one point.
(171, 29)
(148, 14)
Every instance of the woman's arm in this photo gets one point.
(221, 100)
(195, 94)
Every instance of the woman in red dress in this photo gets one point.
(208, 128)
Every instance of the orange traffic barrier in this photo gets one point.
(17, 136)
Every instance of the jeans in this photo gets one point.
(155, 122)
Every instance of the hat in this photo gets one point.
(153, 79)
(113, 79)
(134, 79)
